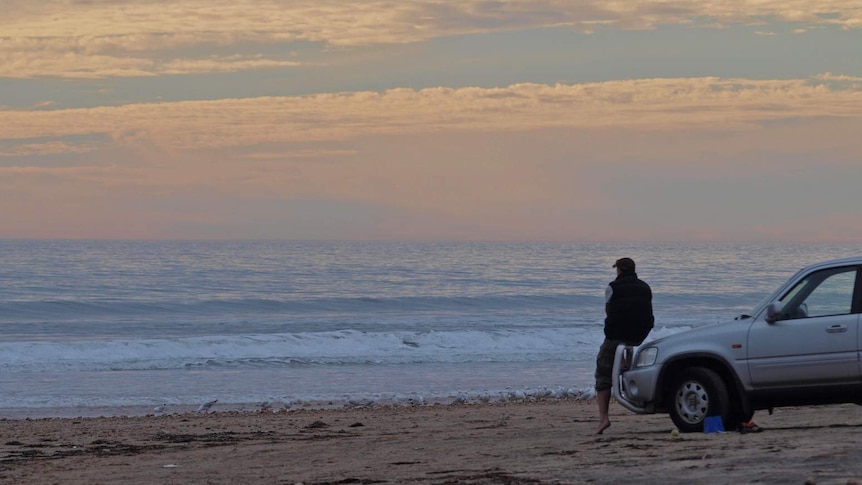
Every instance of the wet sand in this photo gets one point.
(513, 443)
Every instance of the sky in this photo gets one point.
(453, 120)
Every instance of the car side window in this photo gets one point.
(820, 294)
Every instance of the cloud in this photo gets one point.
(705, 158)
(77, 172)
(54, 57)
(47, 148)
(828, 76)
(647, 105)
(105, 38)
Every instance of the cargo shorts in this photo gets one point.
(605, 364)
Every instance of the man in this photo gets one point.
(628, 306)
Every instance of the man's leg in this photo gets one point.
(604, 371)
(604, 400)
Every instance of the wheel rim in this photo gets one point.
(692, 402)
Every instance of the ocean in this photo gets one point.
(109, 328)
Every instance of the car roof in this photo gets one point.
(834, 262)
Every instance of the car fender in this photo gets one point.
(711, 360)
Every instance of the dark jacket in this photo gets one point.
(629, 310)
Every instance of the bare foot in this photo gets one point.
(603, 426)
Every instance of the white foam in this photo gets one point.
(324, 348)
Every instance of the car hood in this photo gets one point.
(699, 333)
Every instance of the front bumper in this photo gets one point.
(635, 389)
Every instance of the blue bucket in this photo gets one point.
(713, 424)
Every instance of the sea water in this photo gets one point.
(118, 327)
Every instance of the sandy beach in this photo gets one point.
(512, 443)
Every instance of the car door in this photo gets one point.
(815, 341)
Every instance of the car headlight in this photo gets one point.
(646, 356)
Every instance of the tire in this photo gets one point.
(695, 394)
(738, 414)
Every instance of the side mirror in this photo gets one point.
(773, 312)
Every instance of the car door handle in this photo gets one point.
(836, 329)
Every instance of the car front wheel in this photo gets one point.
(695, 394)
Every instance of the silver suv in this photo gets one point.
(800, 346)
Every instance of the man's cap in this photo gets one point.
(625, 264)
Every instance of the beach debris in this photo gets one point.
(264, 406)
(458, 397)
(675, 433)
(170, 465)
(518, 395)
(317, 425)
(461, 398)
(205, 407)
(360, 403)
